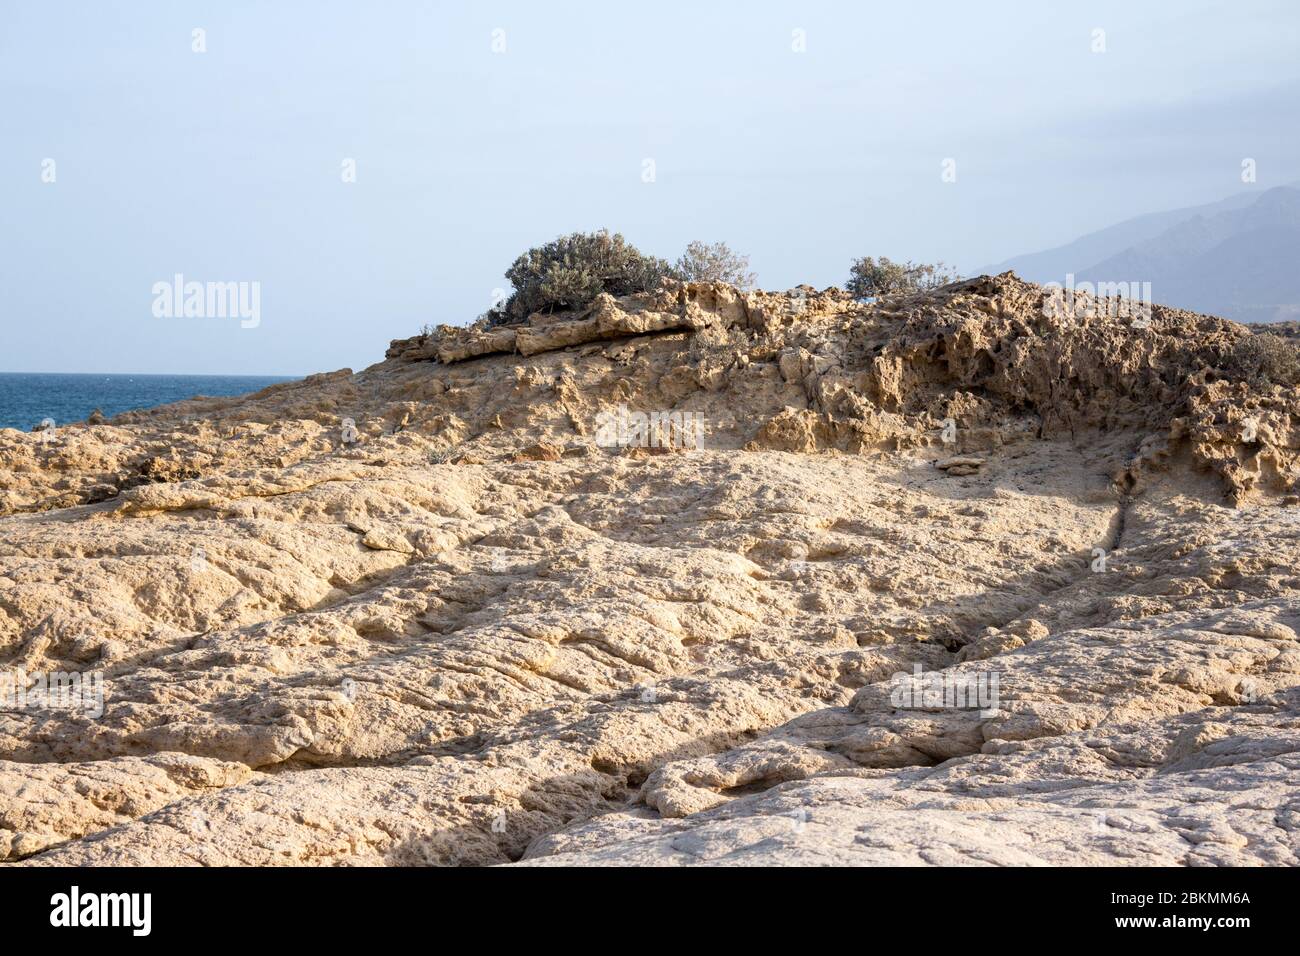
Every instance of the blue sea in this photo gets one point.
(26, 399)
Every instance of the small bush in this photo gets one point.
(1265, 358)
(714, 262)
(569, 272)
(870, 277)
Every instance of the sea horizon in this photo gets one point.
(163, 374)
(29, 398)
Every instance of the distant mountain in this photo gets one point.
(1239, 258)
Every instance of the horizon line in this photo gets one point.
(174, 374)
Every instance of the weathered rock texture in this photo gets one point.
(480, 633)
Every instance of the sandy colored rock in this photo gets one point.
(947, 580)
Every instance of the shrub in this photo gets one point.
(569, 272)
(1265, 358)
(875, 277)
(714, 262)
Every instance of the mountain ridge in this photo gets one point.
(1212, 258)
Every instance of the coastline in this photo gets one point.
(28, 398)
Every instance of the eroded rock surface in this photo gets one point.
(519, 615)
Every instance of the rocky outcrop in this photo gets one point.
(677, 306)
(696, 576)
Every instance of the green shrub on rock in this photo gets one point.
(714, 262)
(870, 277)
(569, 272)
(1265, 358)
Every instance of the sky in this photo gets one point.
(803, 134)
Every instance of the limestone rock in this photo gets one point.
(960, 464)
(509, 625)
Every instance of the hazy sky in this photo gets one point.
(226, 165)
